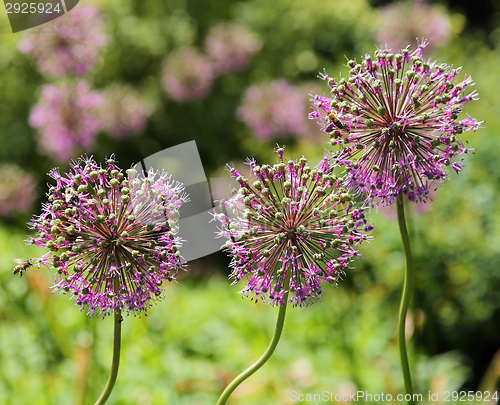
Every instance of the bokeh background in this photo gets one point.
(133, 77)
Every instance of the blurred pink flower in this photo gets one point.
(17, 190)
(187, 74)
(66, 118)
(68, 45)
(274, 108)
(123, 111)
(230, 46)
(402, 22)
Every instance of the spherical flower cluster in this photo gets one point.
(68, 45)
(230, 46)
(395, 119)
(401, 22)
(17, 190)
(111, 236)
(274, 109)
(291, 229)
(66, 118)
(187, 74)
(123, 111)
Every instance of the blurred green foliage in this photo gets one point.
(199, 338)
(202, 335)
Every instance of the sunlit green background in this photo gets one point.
(203, 334)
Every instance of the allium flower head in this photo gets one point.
(111, 236)
(17, 190)
(68, 45)
(66, 119)
(230, 46)
(123, 111)
(187, 75)
(273, 109)
(396, 120)
(293, 228)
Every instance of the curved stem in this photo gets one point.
(116, 357)
(405, 299)
(264, 358)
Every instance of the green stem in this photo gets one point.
(116, 359)
(265, 357)
(405, 299)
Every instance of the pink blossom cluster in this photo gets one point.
(274, 109)
(289, 228)
(400, 23)
(111, 235)
(188, 73)
(68, 45)
(230, 46)
(397, 121)
(66, 118)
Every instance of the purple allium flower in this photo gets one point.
(68, 45)
(273, 109)
(230, 46)
(111, 235)
(17, 190)
(123, 111)
(66, 118)
(187, 74)
(400, 23)
(398, 116)
(292, 226)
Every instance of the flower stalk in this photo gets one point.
(264, 358)
(116, 359)
(405, 299)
